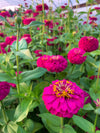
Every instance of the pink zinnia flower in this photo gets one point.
(3, 44)
(63, 7)
(10, 39)
(88, 43)
(40, 7)
(35, 14)
(93, 18)
(27, 37)
(28, 11)
(48, 23)
(54, 63)
(75, 56)
(27, 21)
(85, 22)
(4, 89)
(50, 41)
(97, 8)
(5, 14)
(37, 52)
(63, 98)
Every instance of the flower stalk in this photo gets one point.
(3, 111)
(61, 128)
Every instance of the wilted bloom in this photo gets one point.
(35, 14)
(88, 43)
(93, 18)
(10, 39)
(75, 56)
(50, 41)
(37, 52)
(63, 98)
(4, 89)
(5, 14)
(97, 102)
(40, 7)
(27, 21)
(54, 63)
(27, 37)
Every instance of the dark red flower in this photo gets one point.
(40, 7)
(35, 14)
(50, 41)
(48, 23)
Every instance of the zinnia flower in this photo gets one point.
(97, 8)
(27, 37)
(48, 23)
(75, 56)
(93, 18)
(88, 43)
(63, 98)
(54, 63)
(37, 52)
(12, 85)
(5, 14)
(40, 7)
(27, 21)
(35, 14)
(4, 89)
(10, 39)
(28, 11)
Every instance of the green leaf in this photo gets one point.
(25, 54)
(68, 129)
(29, 125)
(32, 74)
(22, 44)
(98, 131)
(33, 24)
(6, 23)
(83, 124)
(52, 121)
(75, 75)
(88, 107)
(37, 126)
(22, 110)
(97, 111)
(96, 52)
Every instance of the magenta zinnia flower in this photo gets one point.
(27, 21)
(88, 43)
(63, 98)
(27, 37)
(4, 89)
(54, 63)
(39, 7)
(10, 39)
(75, 56)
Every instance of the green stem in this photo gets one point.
(95, 122)
(17, 61)
(3, 111)
(61, 128)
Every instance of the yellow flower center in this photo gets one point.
(3, 11)
(63, 89)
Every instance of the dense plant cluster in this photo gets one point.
(49, 70)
